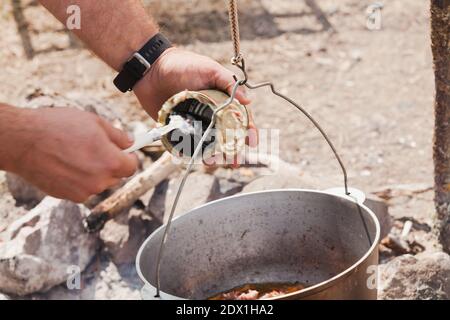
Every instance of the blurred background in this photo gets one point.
(371, 90)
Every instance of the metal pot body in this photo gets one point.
(325, 241)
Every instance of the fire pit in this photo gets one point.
(325, 241)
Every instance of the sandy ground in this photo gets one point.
(372, 91)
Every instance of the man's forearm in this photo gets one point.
(13, 127)
(112, 29)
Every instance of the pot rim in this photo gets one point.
(321, 286)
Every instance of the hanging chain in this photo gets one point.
(235, 35)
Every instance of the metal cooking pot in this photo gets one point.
(324, 240)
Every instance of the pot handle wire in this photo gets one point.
(241, 65)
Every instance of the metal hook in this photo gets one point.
(240, 65)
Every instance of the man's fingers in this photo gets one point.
(237, 161)
(241, 95)
(112, 182)
(118, 137)
(128, 165)
(223, 80)
(252, 136)
(220, 159)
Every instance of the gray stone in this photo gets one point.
(243, 175)
(23, 192)
(227, 187)
(276, 181)
(196, 192)
(156, 204)
(42, 245)
(8, 213)
(232, 181)
(124, 235)
(381, 210)
(276, 173)
(103, 280)
(424, 276)
(39, 98)
(291, 177)
(4, 297)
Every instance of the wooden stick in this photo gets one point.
(440, 35)
(126, 196)
(154, 148)
(22, 28)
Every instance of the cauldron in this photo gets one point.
(322, 239)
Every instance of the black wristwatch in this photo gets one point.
(140, 62)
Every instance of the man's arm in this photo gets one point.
(72, 154)
(13, 129)
(112, 29)
(115, 29)
(67, 153)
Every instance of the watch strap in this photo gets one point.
(140, 62)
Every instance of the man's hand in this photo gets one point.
(71, 154)
(177, 70)
(107, 31)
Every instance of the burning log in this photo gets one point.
(130, 192)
